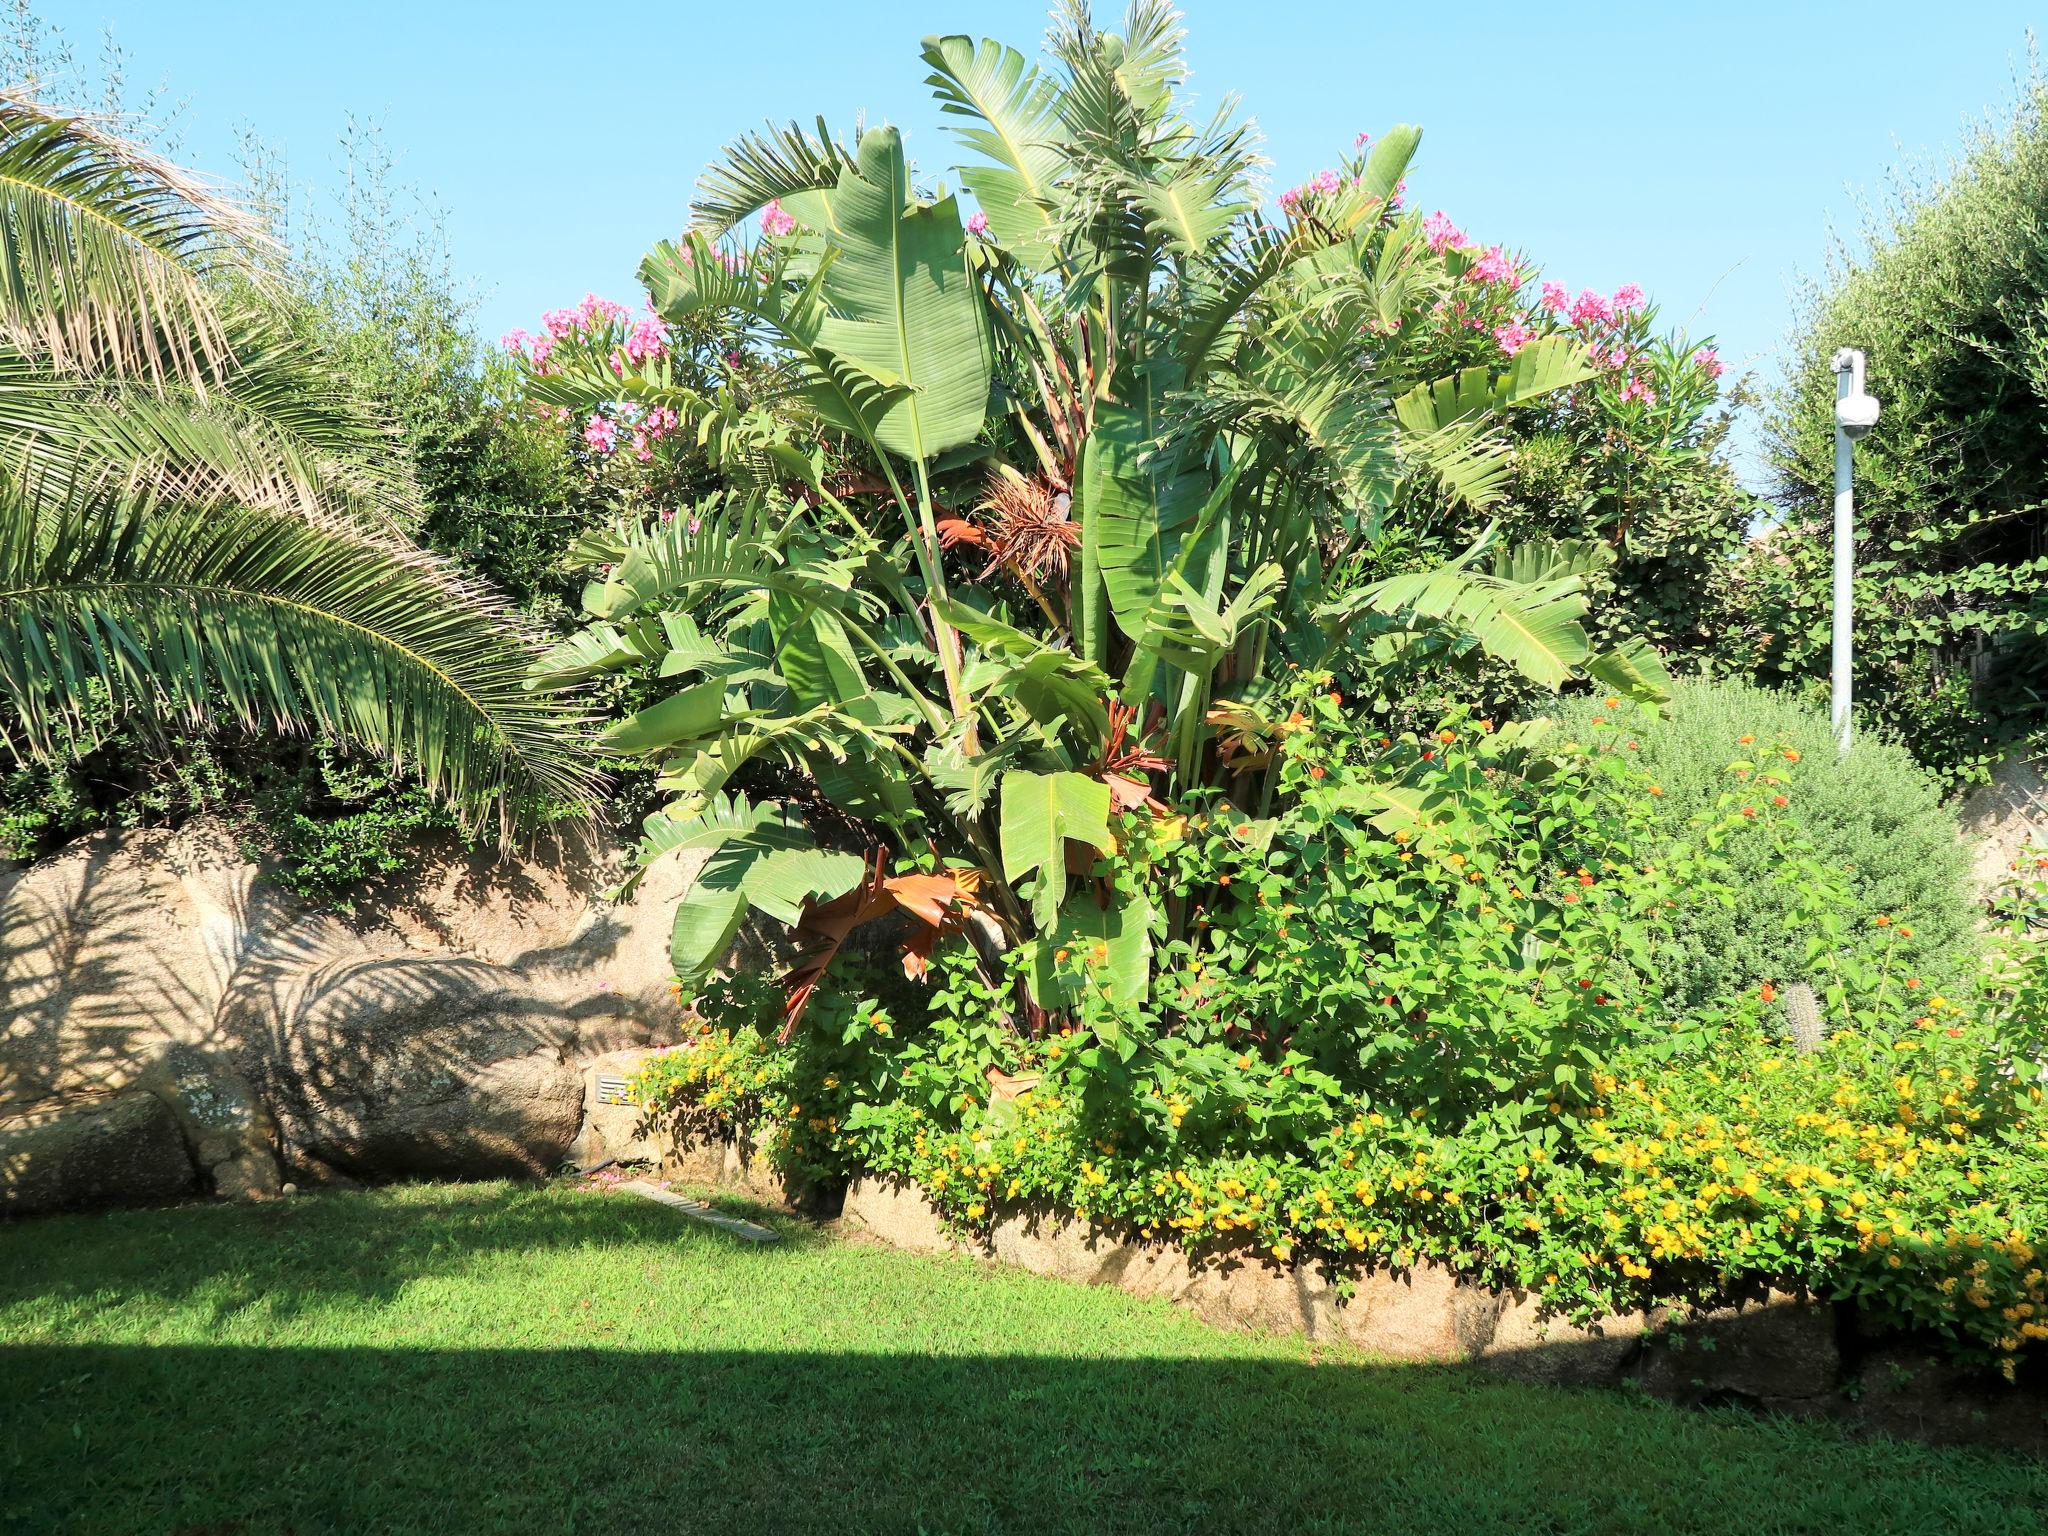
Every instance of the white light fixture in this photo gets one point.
(1855, 414)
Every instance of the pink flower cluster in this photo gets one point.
(646, 340)
(603, 434)
(774, 222)
(1710, 360)
(595, 322)
(1441, 233)
(1494, 266)
(1513, 336)
(731, 259)
(1323, 183)
(977, 223)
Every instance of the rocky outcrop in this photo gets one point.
(117, 1147)
(2004, 819)
(441, 1032)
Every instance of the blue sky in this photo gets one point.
(1702, 150)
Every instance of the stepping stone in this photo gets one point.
(697, 1210)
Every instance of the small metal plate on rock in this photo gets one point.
(611, 1089)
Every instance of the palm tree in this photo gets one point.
(195, 522)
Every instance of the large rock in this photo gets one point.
(896, 1213)
(1427, 1312)
(437, 1033)
(1773, 1348)
(119, 1148)
(416, 1066)
(615, 1129)
(1530, 1342)
(2004, 820)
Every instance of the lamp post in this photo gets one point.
(1855, 414)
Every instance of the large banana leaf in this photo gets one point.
(1535, 628)
(1540, 368)
(752, 856)
(904, 306)
(1133, 513)
(1108, 953)
(1041, 811)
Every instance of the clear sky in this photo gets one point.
(1702, 150)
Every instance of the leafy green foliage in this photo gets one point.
(1185, 427)
(1951, 483)
(1872, 821)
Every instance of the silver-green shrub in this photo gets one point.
(1875, 815)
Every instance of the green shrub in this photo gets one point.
(1898, 1164)
(1874, 816)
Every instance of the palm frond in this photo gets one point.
(204, 610)
(760, 167)
(109, 255)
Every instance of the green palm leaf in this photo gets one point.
(1023, 136)
(903, 306)
(109, 256)
(198, 609)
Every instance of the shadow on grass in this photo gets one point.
(988, 1401)
(301, 1257)
(133, 1438)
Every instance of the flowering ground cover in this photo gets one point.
(491, 1358)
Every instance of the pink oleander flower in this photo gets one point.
(1590, 308)
(1513, 336)
(1361, 141)
(1326, 181)
(774, 221)
(543, 349)
(514, 342)
(647, 339)
(1556, 298)
(594, 311)
(1492, 267)
(1441, 233)
(977, 223)
(660, 421)
(601, 433)
(559, 322)
(1638, 388)
(1290, 199)
(1710, 360)
(694, 525)
(1629, 297)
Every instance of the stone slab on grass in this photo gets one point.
(697, 1210)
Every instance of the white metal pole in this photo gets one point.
(1845, 561)
(1855, 414)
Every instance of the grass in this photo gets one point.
(520, 1359)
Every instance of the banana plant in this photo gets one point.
(1057, 498)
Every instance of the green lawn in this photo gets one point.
(496, 1358)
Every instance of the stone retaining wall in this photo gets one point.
(1772, 1350)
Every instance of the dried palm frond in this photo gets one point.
(112, 258)
(1033, 529)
